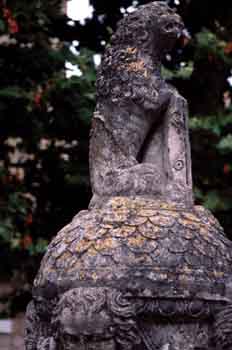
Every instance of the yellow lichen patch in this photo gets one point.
(82, 246)
(137, 66)
(94, 276)
(190, 217)
(81, 275)
(122, 232)
(136, 241)
(75, 266)
(187, 270)
(107, 225)
(167, 206)
(131, 50)
(108, 243)
(115, 216)
(148, 212)
(161, 220)
(218, 274)
(149, 230)
(94, 232)
(135, 220)
(65, 256)
(189, 223)
(92, 251)
(119, 202)
(171, 213)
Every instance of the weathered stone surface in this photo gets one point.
(139, 142)
(111, 275)
(144, 268)
(137, 244)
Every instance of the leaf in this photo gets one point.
(210, 46)
(214, 124)
(41, 246)
(215, 201)
(13, 91)
(2, 25)
(4, 232)
(184, 72)
(225, 144)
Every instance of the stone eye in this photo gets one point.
(179, 165)
(168, 27)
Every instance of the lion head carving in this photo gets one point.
(149, 26)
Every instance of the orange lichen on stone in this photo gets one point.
(131, 50)
(137, 232)
(136, 241)
(187, 270)
(106, 244)
(65, 256)
(148, 212)
(189, 223)
(94, 276)
(137, 66)
(81, 275)
(92, 251)
(162, 220)
(218, 274)
(83, 245)
(191, 217)
(115, 216)
(122, 232)
(94, 233)
(149, 230)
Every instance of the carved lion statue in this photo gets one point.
(139, 140)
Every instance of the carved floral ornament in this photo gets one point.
(143, 268)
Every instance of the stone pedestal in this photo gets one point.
(132, 273)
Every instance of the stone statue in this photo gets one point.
(143, 268)
(139, 143)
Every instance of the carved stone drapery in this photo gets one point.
(143, 268)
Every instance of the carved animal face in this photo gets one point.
(82, 321)
(163, 24)
(154, 26)
(169, 24)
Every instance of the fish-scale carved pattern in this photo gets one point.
(126, 234)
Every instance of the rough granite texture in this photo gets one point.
(143, 268)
